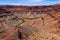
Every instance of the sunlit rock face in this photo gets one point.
(30, 22)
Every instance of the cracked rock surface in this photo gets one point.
(30, 22)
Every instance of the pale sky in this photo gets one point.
(29, 2)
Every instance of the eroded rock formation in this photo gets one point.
(30, 22)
